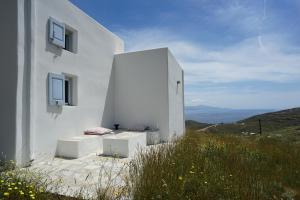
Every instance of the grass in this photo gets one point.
(206, 166)
(194, 125)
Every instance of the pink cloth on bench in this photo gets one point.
(97, 131)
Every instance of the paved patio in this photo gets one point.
(85, 175)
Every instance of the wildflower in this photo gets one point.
(180, 178)
(9, 189)
(19, 183)
(230, 175)
(13, 184)
(6, 194)
(193, 166)
(2, 181)
(30, 192)
(191, 172)
(205, 182)
(15, 188)
(21, 192)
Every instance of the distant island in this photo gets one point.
(214, 115)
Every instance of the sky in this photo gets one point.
(235, 53)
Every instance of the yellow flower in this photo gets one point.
(230, 175)
(2, 181)
(19, 183)
(191, 172)
(13, 184)
(30, 192)
(193, 166)
(6, 194)
(9, 189)
(15, 188)
(21, 192)
(205, 182)
(180, 178)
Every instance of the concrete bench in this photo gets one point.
(79, 146)
(124, 144)
(153, 137)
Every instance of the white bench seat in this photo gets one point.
(124, 144)
(79, 146)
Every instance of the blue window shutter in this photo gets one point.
(57, 33)
(56, 89)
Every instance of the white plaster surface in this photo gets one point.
(124, 144)
(153, 137)
(79, 146)
(146, 91)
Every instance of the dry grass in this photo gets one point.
(218, 167)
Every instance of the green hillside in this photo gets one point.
(279, 123)
(274, 120)
(194, 125)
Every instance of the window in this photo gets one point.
(69, 41)
(62, 35)
(62, 89)
(68, 91)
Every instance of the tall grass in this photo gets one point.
(218, 167)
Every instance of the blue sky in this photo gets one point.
(235, 53)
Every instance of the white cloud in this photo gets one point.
(244, 61)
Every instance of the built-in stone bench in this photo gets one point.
(118, 143)
(153, 137)
(124, 144)
(79, 146)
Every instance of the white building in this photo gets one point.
(62, 72)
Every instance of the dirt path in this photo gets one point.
(206, 128)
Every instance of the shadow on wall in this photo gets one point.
(9, 79)
(108, 112)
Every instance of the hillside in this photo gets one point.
(194, 125)
(281, 122)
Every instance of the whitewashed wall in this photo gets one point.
(145, 91)
(141, 96)
(92, 64)
(176, 97)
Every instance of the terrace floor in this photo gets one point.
(83, 175)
